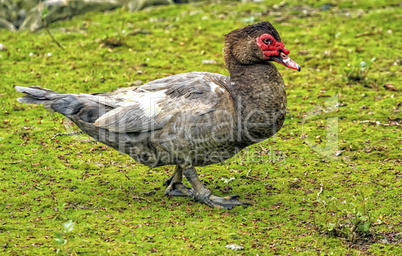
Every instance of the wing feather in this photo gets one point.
(150, 106)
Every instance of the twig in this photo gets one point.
(321, 190)
(69, 134)
(370, 33)
(395, 123)
(52, 37)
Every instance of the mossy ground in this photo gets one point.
(334, 167)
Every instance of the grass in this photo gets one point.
(329, 183)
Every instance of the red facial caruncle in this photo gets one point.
(276, 51)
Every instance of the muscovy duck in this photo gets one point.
(190, 119)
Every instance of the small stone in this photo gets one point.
(338, 152)
(209, 62)
(234, 247)
(137, 82)
(3, 47)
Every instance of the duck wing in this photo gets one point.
(152, 105)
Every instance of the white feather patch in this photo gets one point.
(120, 119)
(214, 86)
(148, 101)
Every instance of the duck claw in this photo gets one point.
(178, 189)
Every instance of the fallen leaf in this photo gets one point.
(390, 87)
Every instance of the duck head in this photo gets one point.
(258, 43)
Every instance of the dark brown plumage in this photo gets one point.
(190, 119)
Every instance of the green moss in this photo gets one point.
(118, 206)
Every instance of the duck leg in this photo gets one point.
(204, 195)
(174, 185)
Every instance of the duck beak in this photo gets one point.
(285, 60)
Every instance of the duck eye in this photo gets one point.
(267, 41)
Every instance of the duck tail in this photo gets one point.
(64, 103)
(38, 95)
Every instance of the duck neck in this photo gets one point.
(260, 97)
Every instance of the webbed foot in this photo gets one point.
(202, 194)
(178, 189)
(175, 187)
(227, 202)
